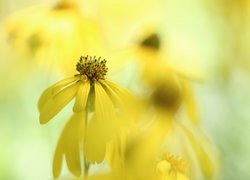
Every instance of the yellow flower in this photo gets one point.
(169, 135)
(172, 84)
(168, 84)
(136, 158)
(126, 16)
(172, 168)
(94, 122)
(188, 141)
(53, 35)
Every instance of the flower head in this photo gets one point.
(53, 35)
(91, 127)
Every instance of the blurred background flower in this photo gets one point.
(203, 44)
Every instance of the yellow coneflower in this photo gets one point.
(156, 71)
(136, 158)
(189, 141)
(157, 74)
(51, 33)
(94, 123)
(182, 137)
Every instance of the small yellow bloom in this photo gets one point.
(189, 141)
(172, 168)
(94, 123)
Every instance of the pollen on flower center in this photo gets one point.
(92, 67)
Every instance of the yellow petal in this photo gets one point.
(101, 128)
(58, 157)
(163, 167)
(122, 99)
(116, 88)
(62, 84)
(180, 176)
(57, 103)
(52, 90)
(190, 103)
(113, 94)
(106, 176)
(82, 97)
(73, 138)
(69, 144)
(116, 151)
(203, 149)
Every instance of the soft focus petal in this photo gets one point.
(57, 103)
(116, 151)
(204, 151)
(190, 102)
(189, 142)
(180, 176)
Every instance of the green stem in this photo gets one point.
(86, 168)
(86, 163)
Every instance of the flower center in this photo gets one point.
(152, 41)
(167, 95)
(92, 67)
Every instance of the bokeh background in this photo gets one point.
(208, 39)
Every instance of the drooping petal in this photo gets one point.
(204, 150)
(112, 93)
(190, 103)
(52, 90)
(101, 128)
(69, 144)
(73, 138)
(130, 108)
(58, 157)
(82, 97)
(116, 88)
(116, 151)
(57, 103)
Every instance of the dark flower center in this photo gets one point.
(94, 68)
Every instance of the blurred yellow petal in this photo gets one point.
(54, 35)
(82, 97)
(54, 89)
(116, 151)
(203, 149)
(101, 128)
(190, 102)
(57, 103)
(181, 177)
(69, 144)
(188, 141)
(106, 176)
